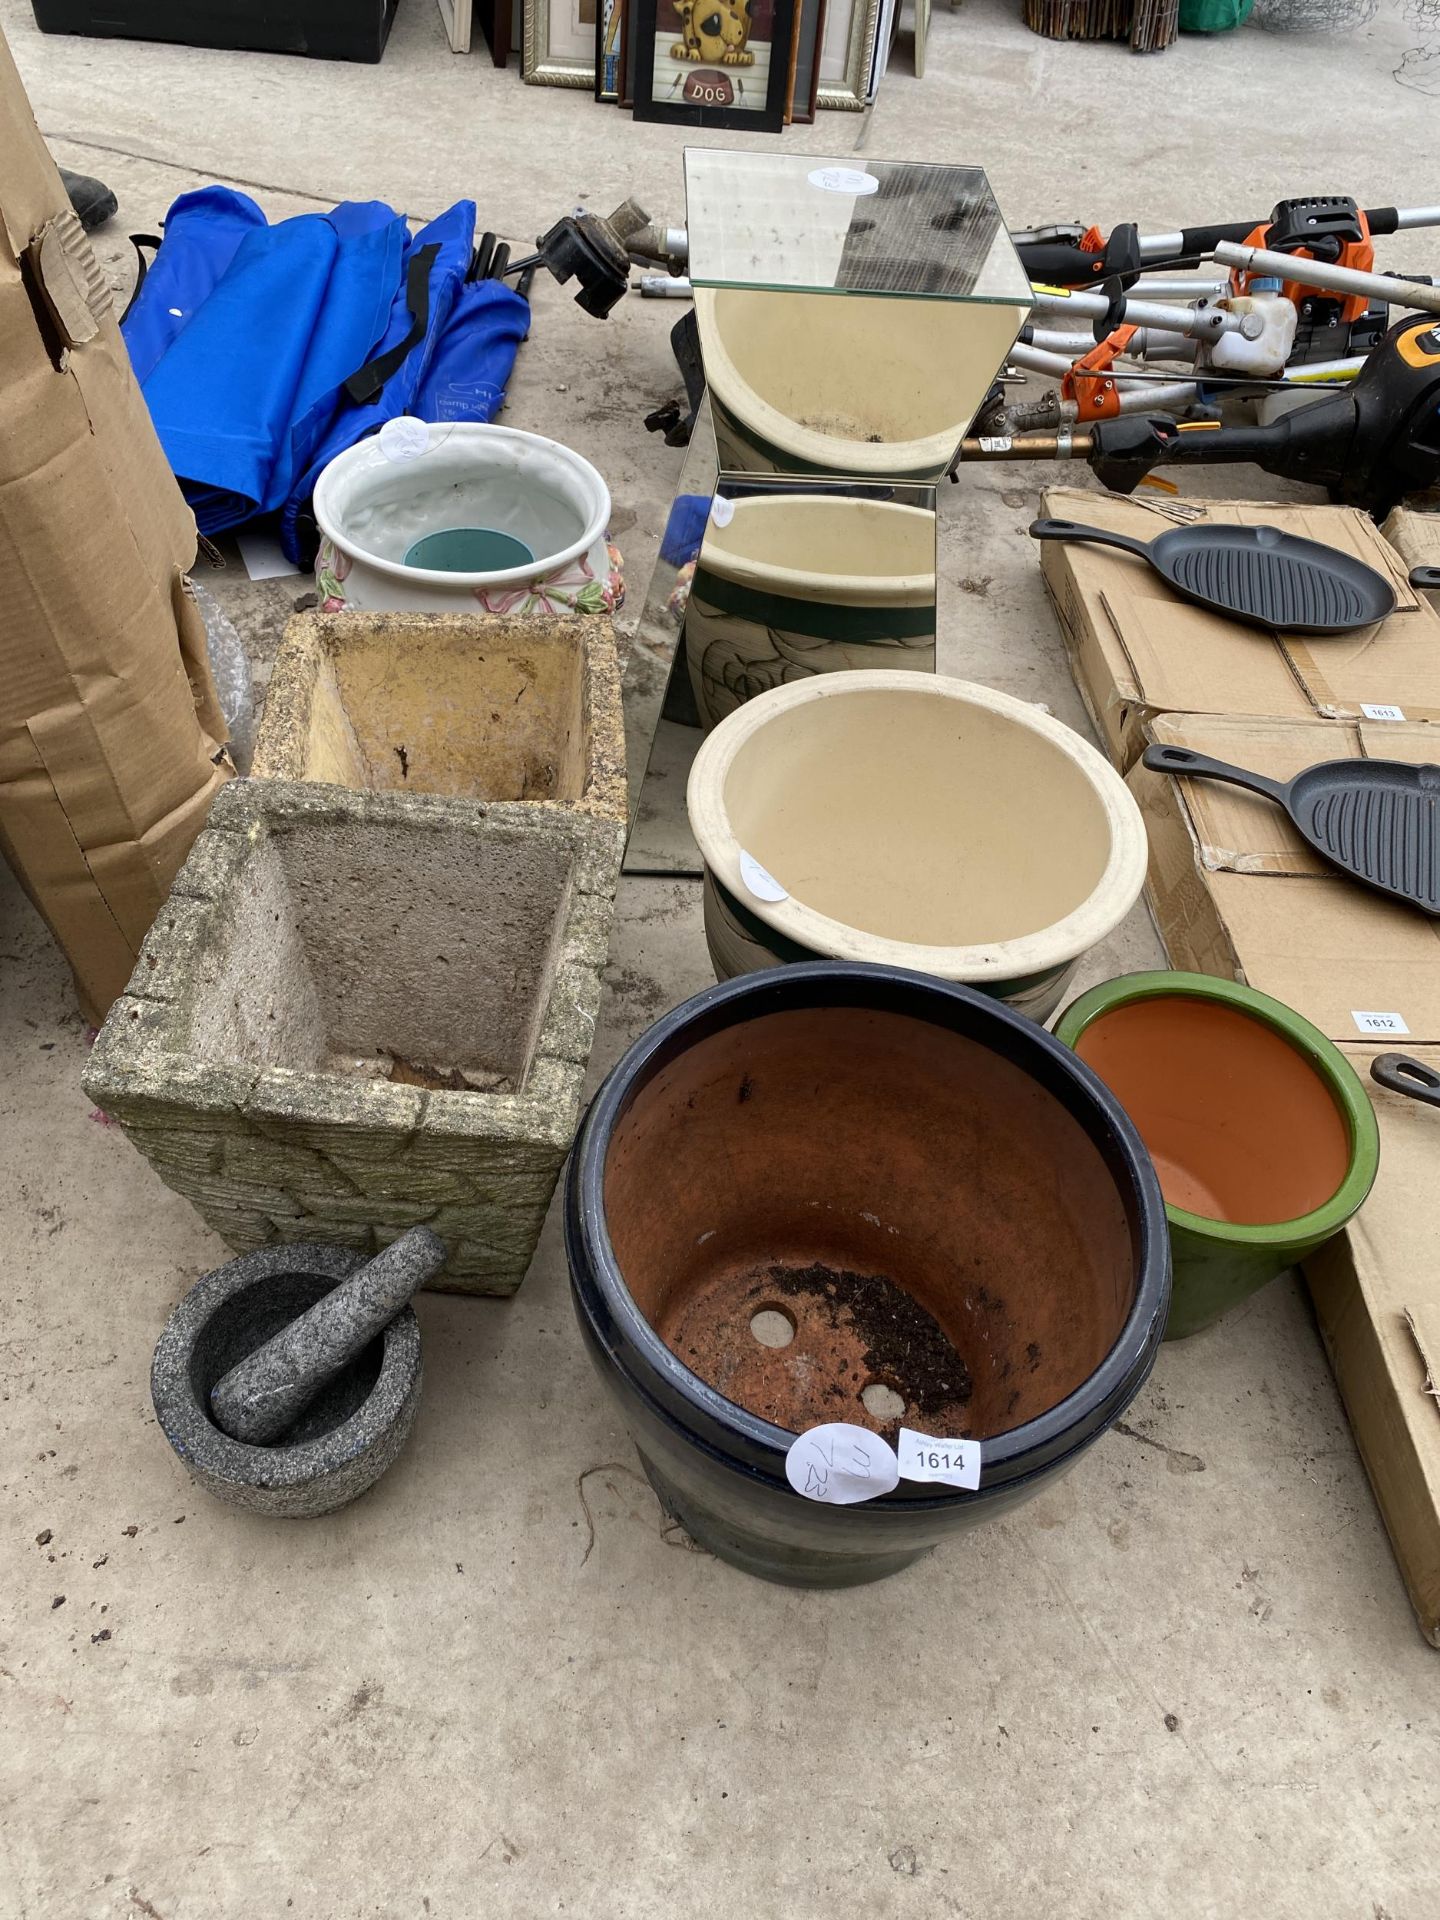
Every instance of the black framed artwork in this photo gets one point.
(609, 49)
(712, 63)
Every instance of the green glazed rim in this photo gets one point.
(1321, 1054)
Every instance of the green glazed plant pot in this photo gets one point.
(1262, 1135)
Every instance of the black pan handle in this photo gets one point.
(1426, 577)
(1401, 1073)
(1094, 536)
(1201, 766)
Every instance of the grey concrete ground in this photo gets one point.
(1185, 1682)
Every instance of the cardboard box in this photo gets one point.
(1376, 1290)
(1414, 536)
(1138, 649)
(111, 740)
(1236, 891)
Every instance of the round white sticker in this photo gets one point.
(763, 885)
(843, 180)
(722, 511)
(404, 438)
(841, 1464)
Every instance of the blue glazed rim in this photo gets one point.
(744, 1441)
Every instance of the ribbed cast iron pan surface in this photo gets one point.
(1260, 574)
(1377, 820)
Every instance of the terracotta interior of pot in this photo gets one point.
(847, 1214)
(1239, 1124)
(826, 537)
(865, 369)
(918, 817)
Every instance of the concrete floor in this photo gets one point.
(1186, 1681)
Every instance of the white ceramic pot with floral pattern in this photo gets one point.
(379, 498)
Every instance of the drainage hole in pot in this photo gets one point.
(881, 1401)
(772, 1326)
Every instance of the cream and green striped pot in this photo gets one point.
(792, 585)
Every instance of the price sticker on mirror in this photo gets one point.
(1379, 1022)
(953, 1463)
(722, 511)
(840, 1465)
(763, 885)
(843, 180)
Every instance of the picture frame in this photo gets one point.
(609, 49)
(627, 57)
(456, 17)
(805, 63)
(558, 46)
(847, 53)
(494, 18)
(713, 63)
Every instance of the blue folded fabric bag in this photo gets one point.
(263, 351)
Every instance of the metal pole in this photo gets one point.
(1036, 360)
(1319, 273)
(1204, 323)
(1067, 444)
(1160, 286)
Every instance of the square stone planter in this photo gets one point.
(477, 705)
(361, 1012)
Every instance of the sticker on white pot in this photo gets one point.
(404, 438)
(763, 885)
(843, 180)
(953, 1463)
(722, 511)
(841, 1465)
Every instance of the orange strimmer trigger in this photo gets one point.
(1088, 385)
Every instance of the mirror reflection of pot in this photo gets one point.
(791, 584)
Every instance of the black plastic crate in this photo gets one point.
(325, 29)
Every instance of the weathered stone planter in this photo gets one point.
(362, 1012)
(480, 706)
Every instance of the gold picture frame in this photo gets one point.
(558, 45)
(847, 52)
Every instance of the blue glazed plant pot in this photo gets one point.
(796, 1146)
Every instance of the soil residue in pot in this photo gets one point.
(850, 1331)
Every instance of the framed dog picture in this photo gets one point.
(712, 63)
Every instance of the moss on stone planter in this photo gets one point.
(361, 1012)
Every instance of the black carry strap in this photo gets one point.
(140, 241)
(365, 386)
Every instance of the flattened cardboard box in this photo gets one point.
(1138, 649)
(1236, 891)
(1376, 1289)
(110, 734)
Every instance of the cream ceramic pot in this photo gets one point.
(788, 587)
(377, 499)
(844, 383)
(912, 821)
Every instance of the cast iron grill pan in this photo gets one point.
(1403, 1073)
(1259, 574)
(1377, 820)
